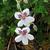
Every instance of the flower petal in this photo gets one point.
(20, 23)
(32, 19)
(26, 11)
(28, 20)
(17, 30)
(25, 40)
(17, 15)
(18, 38)
(26, 28)
(30, 37)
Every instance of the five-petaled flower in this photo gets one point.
(23, 35)
(25, 18)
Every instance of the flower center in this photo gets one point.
(23, 16)
(23, 32)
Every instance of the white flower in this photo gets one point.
(23, 35)
(26, 20)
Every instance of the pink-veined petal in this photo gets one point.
(17, 15)
(17, 30)
(27, 29)
(26, 11)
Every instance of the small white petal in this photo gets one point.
(26, 28)
(17, 15)
(30, 37)
(35, 27)
(28, 20)
(26, 24)
(18, 38)
(26, 11)
(17, 30)
(20, 23)
(32, 19)
(25, 41)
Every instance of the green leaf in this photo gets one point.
(45, 0)
(47, 19)
(11, 30)
(35, 1)
(39, 9)
(1, 43)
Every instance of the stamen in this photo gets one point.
(25, 14)
(20, 16)
(20, 31)
(24, 32)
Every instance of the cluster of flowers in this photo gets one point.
(26, 20)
